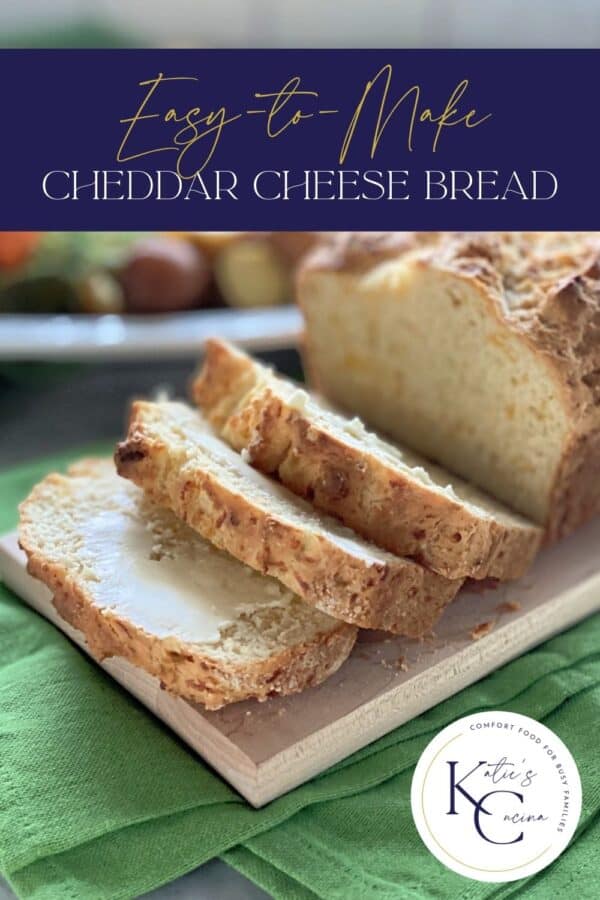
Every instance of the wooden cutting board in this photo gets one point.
(265, 749)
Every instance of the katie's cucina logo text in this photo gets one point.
(496, 796)
(486, 804)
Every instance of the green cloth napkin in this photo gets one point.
(99, 800)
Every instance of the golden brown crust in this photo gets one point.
(375, 498)
(545, 287)
(396, 595)
(576, 493)
(358, 251)
(182, 668)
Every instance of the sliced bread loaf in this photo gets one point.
(481, 351)
(174, 455)
(140, 584)
(388, 495)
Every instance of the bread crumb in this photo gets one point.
(299, 400)
(508, 606)
(397, 665)
(481, 630)
(355, 428)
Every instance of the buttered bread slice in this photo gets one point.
(141, 585)
(389, 495)
(175, 456)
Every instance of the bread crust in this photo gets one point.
(396, 595)
(375, 498)
(542, 286)
(181, 667)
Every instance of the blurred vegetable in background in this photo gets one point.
(165, 274)
(254, 268)
(99, 272)
(16, 247)
(47, 277)
(144, 273)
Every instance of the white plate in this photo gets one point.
(67, 337)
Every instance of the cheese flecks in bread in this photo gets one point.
(387, 494)
(481, 351)
(140, 584)
(175, 456)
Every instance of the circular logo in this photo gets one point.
(496, 796)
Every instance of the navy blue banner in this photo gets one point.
(288, 139)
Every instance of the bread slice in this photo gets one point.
(388, 495)
(140, 584)
(173, 454)
(481, 351)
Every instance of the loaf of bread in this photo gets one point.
(388, 495)
(174, 455)
(481, 351)
(141, 585)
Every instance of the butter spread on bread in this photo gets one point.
(174, 455)
(139, 584)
